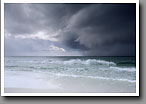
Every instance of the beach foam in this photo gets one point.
(69, 74)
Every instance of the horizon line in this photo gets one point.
(70, 56)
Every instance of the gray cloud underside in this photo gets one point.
(92, 29)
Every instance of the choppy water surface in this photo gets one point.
(120, 69)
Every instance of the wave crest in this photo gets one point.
(87, 62)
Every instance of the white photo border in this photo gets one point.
(69, 94)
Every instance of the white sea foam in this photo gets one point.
(84, 62)
(130, 69)
(94, 77)
(56, 73)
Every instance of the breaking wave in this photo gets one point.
(77, 67)
(94, 77)
(84, 62)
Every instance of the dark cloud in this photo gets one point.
(106, 29)
(92, 29)
(31, 18)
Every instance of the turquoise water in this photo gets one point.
(119, 69)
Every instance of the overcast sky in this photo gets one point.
(70, 29)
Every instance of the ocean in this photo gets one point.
(77, 74)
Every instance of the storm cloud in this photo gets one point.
(73, 29)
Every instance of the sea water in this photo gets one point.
(70, 73)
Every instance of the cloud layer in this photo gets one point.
(76, 29)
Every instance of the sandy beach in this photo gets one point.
(69, 75)
(78, 85)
